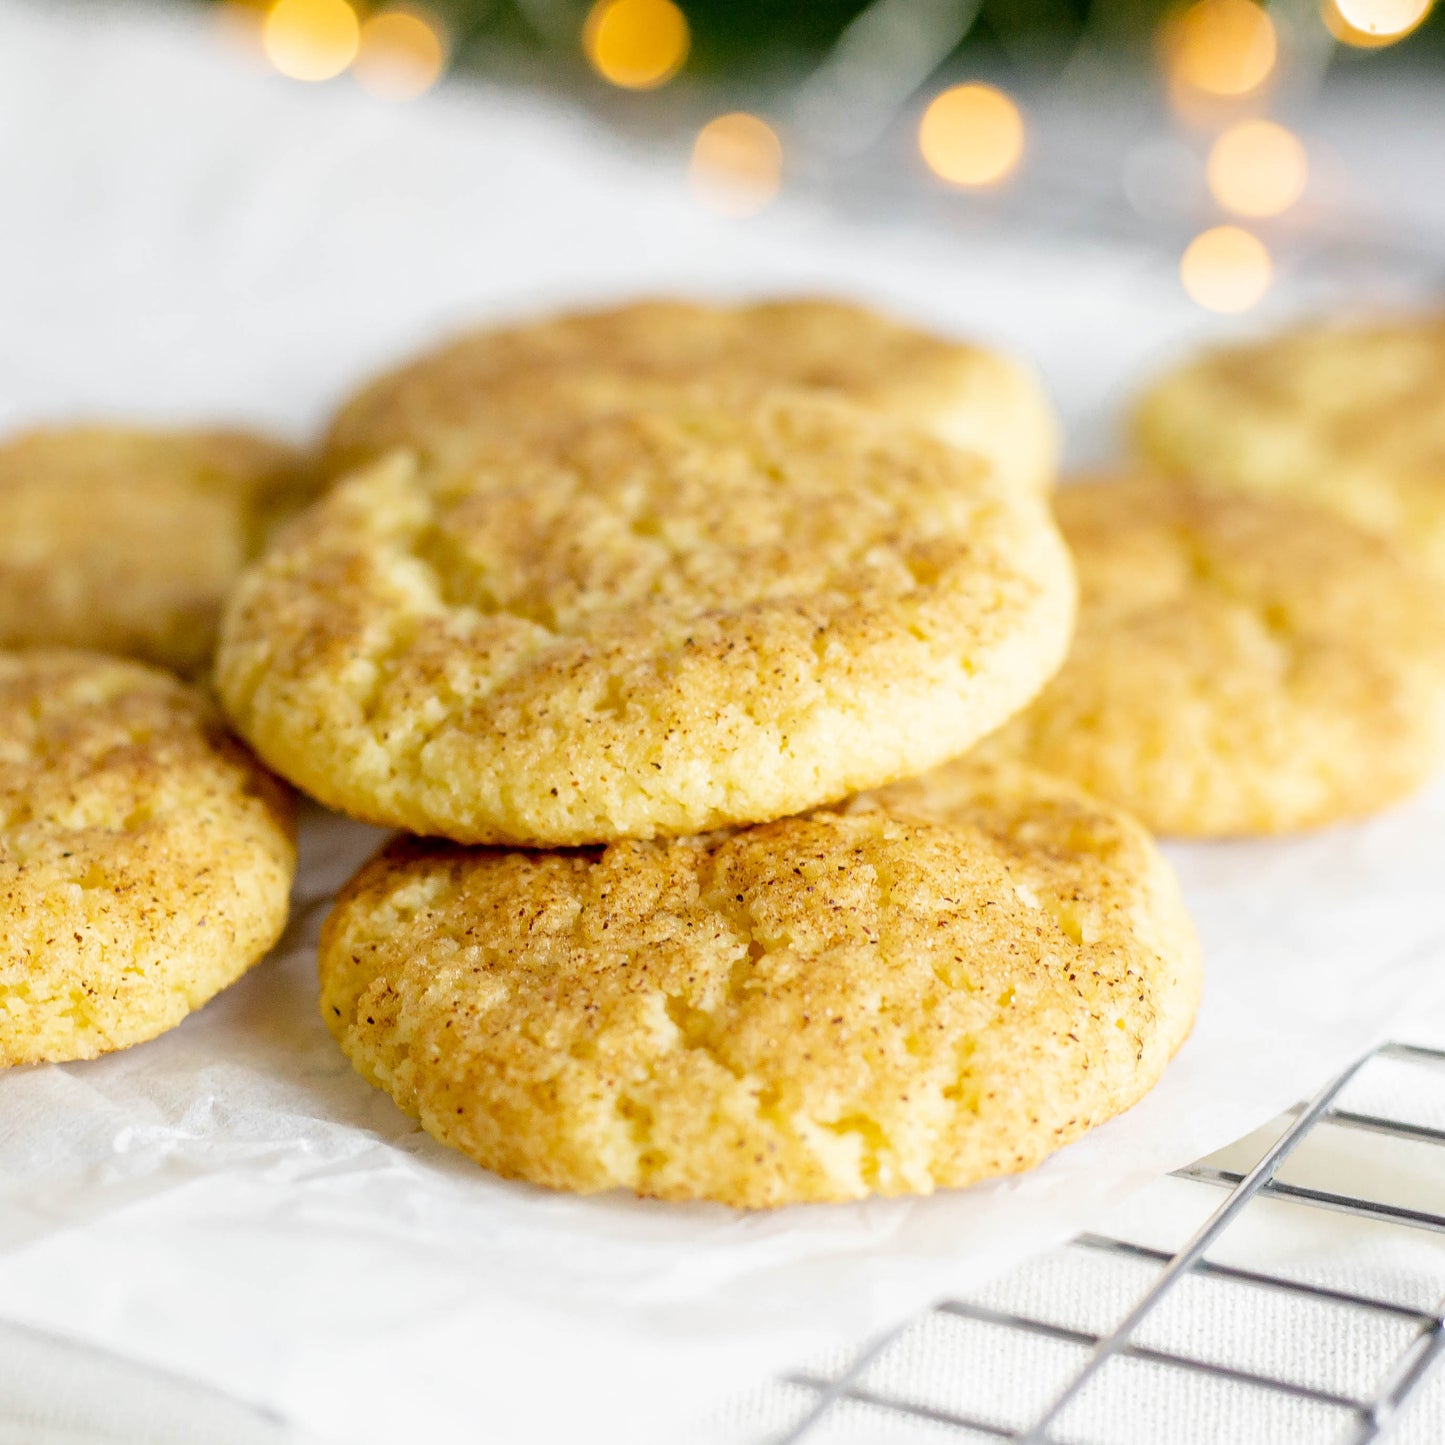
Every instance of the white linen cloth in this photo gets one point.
(188, 237)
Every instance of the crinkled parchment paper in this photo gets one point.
(234, 1202)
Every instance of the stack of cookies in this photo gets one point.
(769, 833)
(146, 857)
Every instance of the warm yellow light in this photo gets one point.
(1257, 168)
(737, 164)
(1226, 269)
(1222, 47)
(310, 39)
(1370, 24)
(637, 44)
(972, 135)
(402, 53)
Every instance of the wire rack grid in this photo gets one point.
(1416, 1336)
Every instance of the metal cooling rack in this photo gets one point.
(1335, 1418)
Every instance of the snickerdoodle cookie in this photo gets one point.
(1242, 664)
(521, 376)
(658, 622)
(1345, 416)
(126, 541)
(145, 857)
(931, 985)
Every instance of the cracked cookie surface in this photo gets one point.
(127, 541)
(145, 857)
(1349, 416)
(659, 622)
(931, 985)
(1242, 665)
(521, 376)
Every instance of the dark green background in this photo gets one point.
(771, 39)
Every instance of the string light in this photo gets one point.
(401, 54)
(1370, 24)
(1257, 168)
(310, 39)
(737, 164)
(1226, 269)
(971, 135)
(636, 44)
(1222, 47)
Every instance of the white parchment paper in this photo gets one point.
(189, 237)
(233, 1202)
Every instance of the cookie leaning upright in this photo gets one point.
(1345, 416)
(1242, 664)
(505, 378)
(929, 986)
(659, 622)
(127, 541)
(145, 857)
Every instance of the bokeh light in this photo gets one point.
(737, 164)
(1226, 269)
(1257, 168)
(402, 53)
(311, 39)
(971, 135)
(1222, 47)
(1370, 24)
(636, 44)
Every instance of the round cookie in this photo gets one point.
(933, 985)
(1241, 665)
(145, 857)
(126, 541)
(1346, 416)
(659, 622)
(496, 380)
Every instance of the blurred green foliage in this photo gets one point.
(732, 39)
